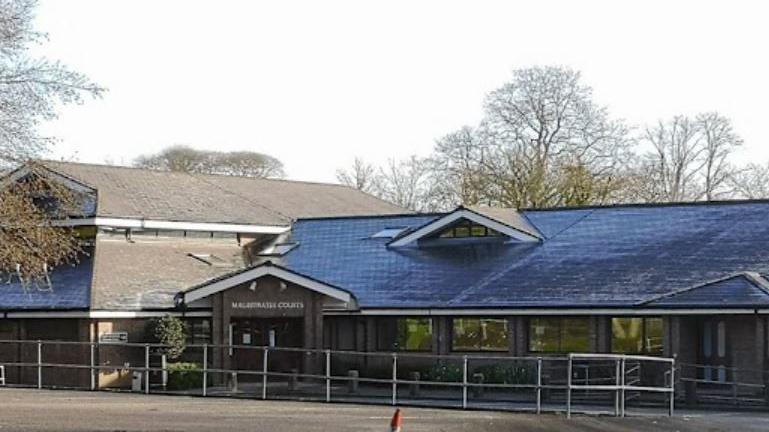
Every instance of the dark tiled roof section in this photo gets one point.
(618, 256)
(741, 290)
(147, 274)
(159, 195)
(70, 289)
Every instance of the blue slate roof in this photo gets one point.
(71, 290)
(742, 290)
(620, 256)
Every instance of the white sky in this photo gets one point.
(315, 83)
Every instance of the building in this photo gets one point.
(317, 266)
(151, 234)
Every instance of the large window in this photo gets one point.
(637, 335)
(198, 331)
(479, 334)
(405, 334)
(559, 335)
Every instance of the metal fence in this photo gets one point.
(591, 383)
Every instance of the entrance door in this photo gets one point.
(714, 350)
(272, 332)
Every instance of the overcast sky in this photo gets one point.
(315, 83)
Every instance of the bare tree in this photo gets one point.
(406, 183)
(719, 140)
(751, 182)
(31, 89)
(458, 169)
(362, 176)
(690, 160)
(676, 161)
(540, 126)
(186, 159)
(30, 243)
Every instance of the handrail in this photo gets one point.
(536, 376)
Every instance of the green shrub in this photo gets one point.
(443, 373)
(170, 332)
(184, 376)
(516, 373)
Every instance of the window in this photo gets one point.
(559, 335)
(636, 335)
(405, 334)
(198, 330)
(389, 232)
(465, 228)
(479, 334)
(7, 328)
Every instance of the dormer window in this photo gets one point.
(470, 224)
(466, 228)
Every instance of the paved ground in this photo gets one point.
(45, 410)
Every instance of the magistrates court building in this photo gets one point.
(292, 264)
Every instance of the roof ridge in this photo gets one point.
(649, 205)
(133, 168)
(370, 216)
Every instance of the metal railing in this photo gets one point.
(736, 386)
(621, 383)
(495, 382)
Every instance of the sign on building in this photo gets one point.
(113, 337)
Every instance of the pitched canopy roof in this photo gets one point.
(617, 256)
(160, 195)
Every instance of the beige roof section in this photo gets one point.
(146, 194)
(146, 274)
(508, 216)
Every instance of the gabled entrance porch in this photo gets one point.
(266, 306)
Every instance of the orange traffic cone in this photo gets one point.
(396, 422)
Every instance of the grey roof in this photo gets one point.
(146, 274)
(160, 195)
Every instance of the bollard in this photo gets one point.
(293, 380)
(396, 424)
(478, 378)
(414, 385)
(233, 382)
(352, 383)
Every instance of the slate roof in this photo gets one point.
(617, 256)
(741, 290)
(146, 194)
(71, 289)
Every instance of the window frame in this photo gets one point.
(396, 346)
(644, 330)
(561, 327)
(189, 329)
(480, 347)
(468, 227)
